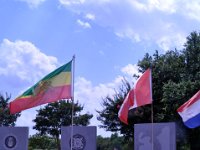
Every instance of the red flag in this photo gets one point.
(128, 103)
(140, 95)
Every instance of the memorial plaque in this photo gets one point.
(84, 138)
(13, 138)
(163, 136)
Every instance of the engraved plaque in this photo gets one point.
(156, 136)
(84, 138)
(13, 138)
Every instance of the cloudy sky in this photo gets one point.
(108, 38)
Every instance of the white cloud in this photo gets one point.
(158, 22)
(130, 70)
(129, 33)
(24, 61)
(91, 97)
(88, 95)
(187, 8)
(33, 3)
(166, 42)
(71, 2)
(83, 24)
(192, 9)
(82, 2)
(168, 6)
(104, 13)
(90, 16)
(26, 119)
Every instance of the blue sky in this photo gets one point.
(108, 38)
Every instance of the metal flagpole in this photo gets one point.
(73, 72)
(151, 112)
(152, 126)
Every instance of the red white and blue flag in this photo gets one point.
(190, 111)
(140, 95)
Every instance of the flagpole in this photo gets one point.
(152, 128)
(152, 125)
(73, 72)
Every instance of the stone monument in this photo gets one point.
(84, 138)
(13, 138)
(163, 136)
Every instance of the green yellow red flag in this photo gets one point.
(53, 87)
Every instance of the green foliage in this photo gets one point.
(175, 79)
(6, 119)
(114, 142)
(41, 142)
(109, 115)
(103, 143)
(192, 56)
(54, 115)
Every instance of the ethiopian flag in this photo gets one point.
(53, 87)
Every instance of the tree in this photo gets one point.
(175, 79)
(54, 115)
(6, 119)
(109, 115)
(114, 142)
(41, 142)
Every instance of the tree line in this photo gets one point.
(48, 121)
(175, 79)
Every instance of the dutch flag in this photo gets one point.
(190, 111)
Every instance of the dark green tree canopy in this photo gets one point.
(41, 142)
(54, 115)
(6, 119)
(175, 79)
(49, 119)
(114, 142)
